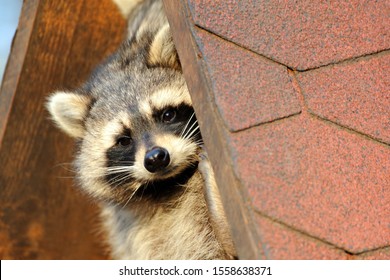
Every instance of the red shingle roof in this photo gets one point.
(302, 157)
(300, 34)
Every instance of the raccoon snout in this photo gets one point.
(156, 159)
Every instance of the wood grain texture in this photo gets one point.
(15, 62)
(42, 214)
(234, 196)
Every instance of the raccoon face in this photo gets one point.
(154, 141)
(136, 128)
(131, 143)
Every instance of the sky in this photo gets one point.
(9, 16)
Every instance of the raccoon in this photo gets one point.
(140, 150)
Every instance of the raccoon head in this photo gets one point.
(134, 121)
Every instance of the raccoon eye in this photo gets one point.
(124, 141)
(169, 115)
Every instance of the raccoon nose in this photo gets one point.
(156, 159)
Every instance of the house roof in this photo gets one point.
(293, 103)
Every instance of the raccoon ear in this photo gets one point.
(68, 111)
(162, 51)
(126, 6)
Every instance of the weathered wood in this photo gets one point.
(234, 196)
(42, 215)
(15, 62)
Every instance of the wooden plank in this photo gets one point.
(234, 196)
(15, 62)
(42, 215)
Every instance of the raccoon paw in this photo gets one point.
(217, 215)
(206, 170)
(203, 155)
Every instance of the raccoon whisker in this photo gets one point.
(119, 173)
(128, 200)
(118, 169)
(193, 136)
(199, 142)
(129, 168)
(63, 164)
(189, 130)
(188, 122)
(117, 180)
(65, 167)
(186, 129)
(140, 185)
(117, 183)
(128, 175)
(130, 196)
(143, 190)
(122, 162)
(193, 131)
(65, 177)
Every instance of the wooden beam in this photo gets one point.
(42, 214)
(234, 196)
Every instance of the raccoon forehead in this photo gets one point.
(163, 98)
